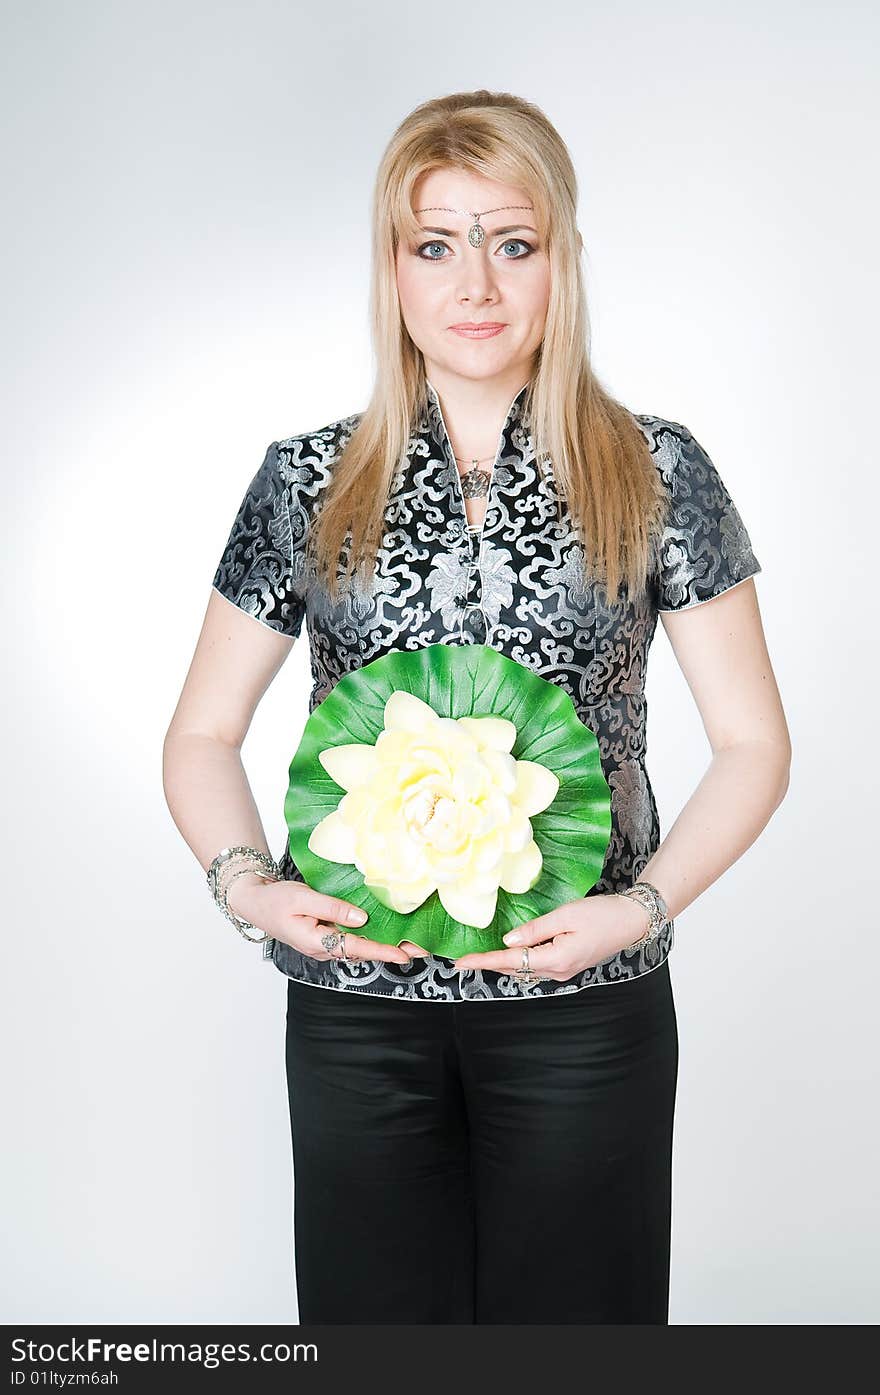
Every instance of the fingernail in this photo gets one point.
(513, 938)
(356, 916)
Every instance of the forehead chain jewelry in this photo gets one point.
(476, 233)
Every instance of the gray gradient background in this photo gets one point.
(185, 280)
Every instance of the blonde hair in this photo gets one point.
(600, 458)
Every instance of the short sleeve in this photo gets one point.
(256, 571)
(705, 548)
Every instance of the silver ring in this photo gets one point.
(332, 940)
(525, 974)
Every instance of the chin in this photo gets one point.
(480, 365)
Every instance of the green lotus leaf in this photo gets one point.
(474, 680)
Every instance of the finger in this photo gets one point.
(414, 950)
(311, 930)
(543, 959)
(533, 932)
(359, 947)
(332, 908)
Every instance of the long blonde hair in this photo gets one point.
(600, 458)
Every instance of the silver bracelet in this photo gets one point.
(234, 862)
(650, 898)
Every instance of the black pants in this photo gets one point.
(483, 1162)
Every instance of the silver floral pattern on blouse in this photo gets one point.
(516, 584)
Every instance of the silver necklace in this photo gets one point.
(474, 482)
(476, 233)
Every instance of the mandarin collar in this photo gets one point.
(432, 419)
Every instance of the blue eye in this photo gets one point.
(512, 242)
(430, 244)
(509, 242)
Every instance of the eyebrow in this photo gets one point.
(490, 232)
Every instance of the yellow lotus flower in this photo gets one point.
(437, 804)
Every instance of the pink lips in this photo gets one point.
(479, 331)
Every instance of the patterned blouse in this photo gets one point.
(516, 584)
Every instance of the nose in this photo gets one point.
(477, 282)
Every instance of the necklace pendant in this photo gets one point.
(476, 233)
(475, 483)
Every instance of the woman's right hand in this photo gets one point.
(292, 912)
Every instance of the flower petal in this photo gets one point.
(470, 780)
(520, 870)
(350, 765)
(517, 831)
(333, 838)
(487, 854)
(469, 907)
(535, 788)
(405, 712)
(394, 745)
(454, 739)
(356, 806)
(401, 896)
(496, 809)
(496, 733)
(502, 768)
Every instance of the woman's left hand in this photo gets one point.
(574, 936)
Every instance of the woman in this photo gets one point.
(487, 1139)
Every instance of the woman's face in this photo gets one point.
(444, 282)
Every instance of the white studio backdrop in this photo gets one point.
(185, 280)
